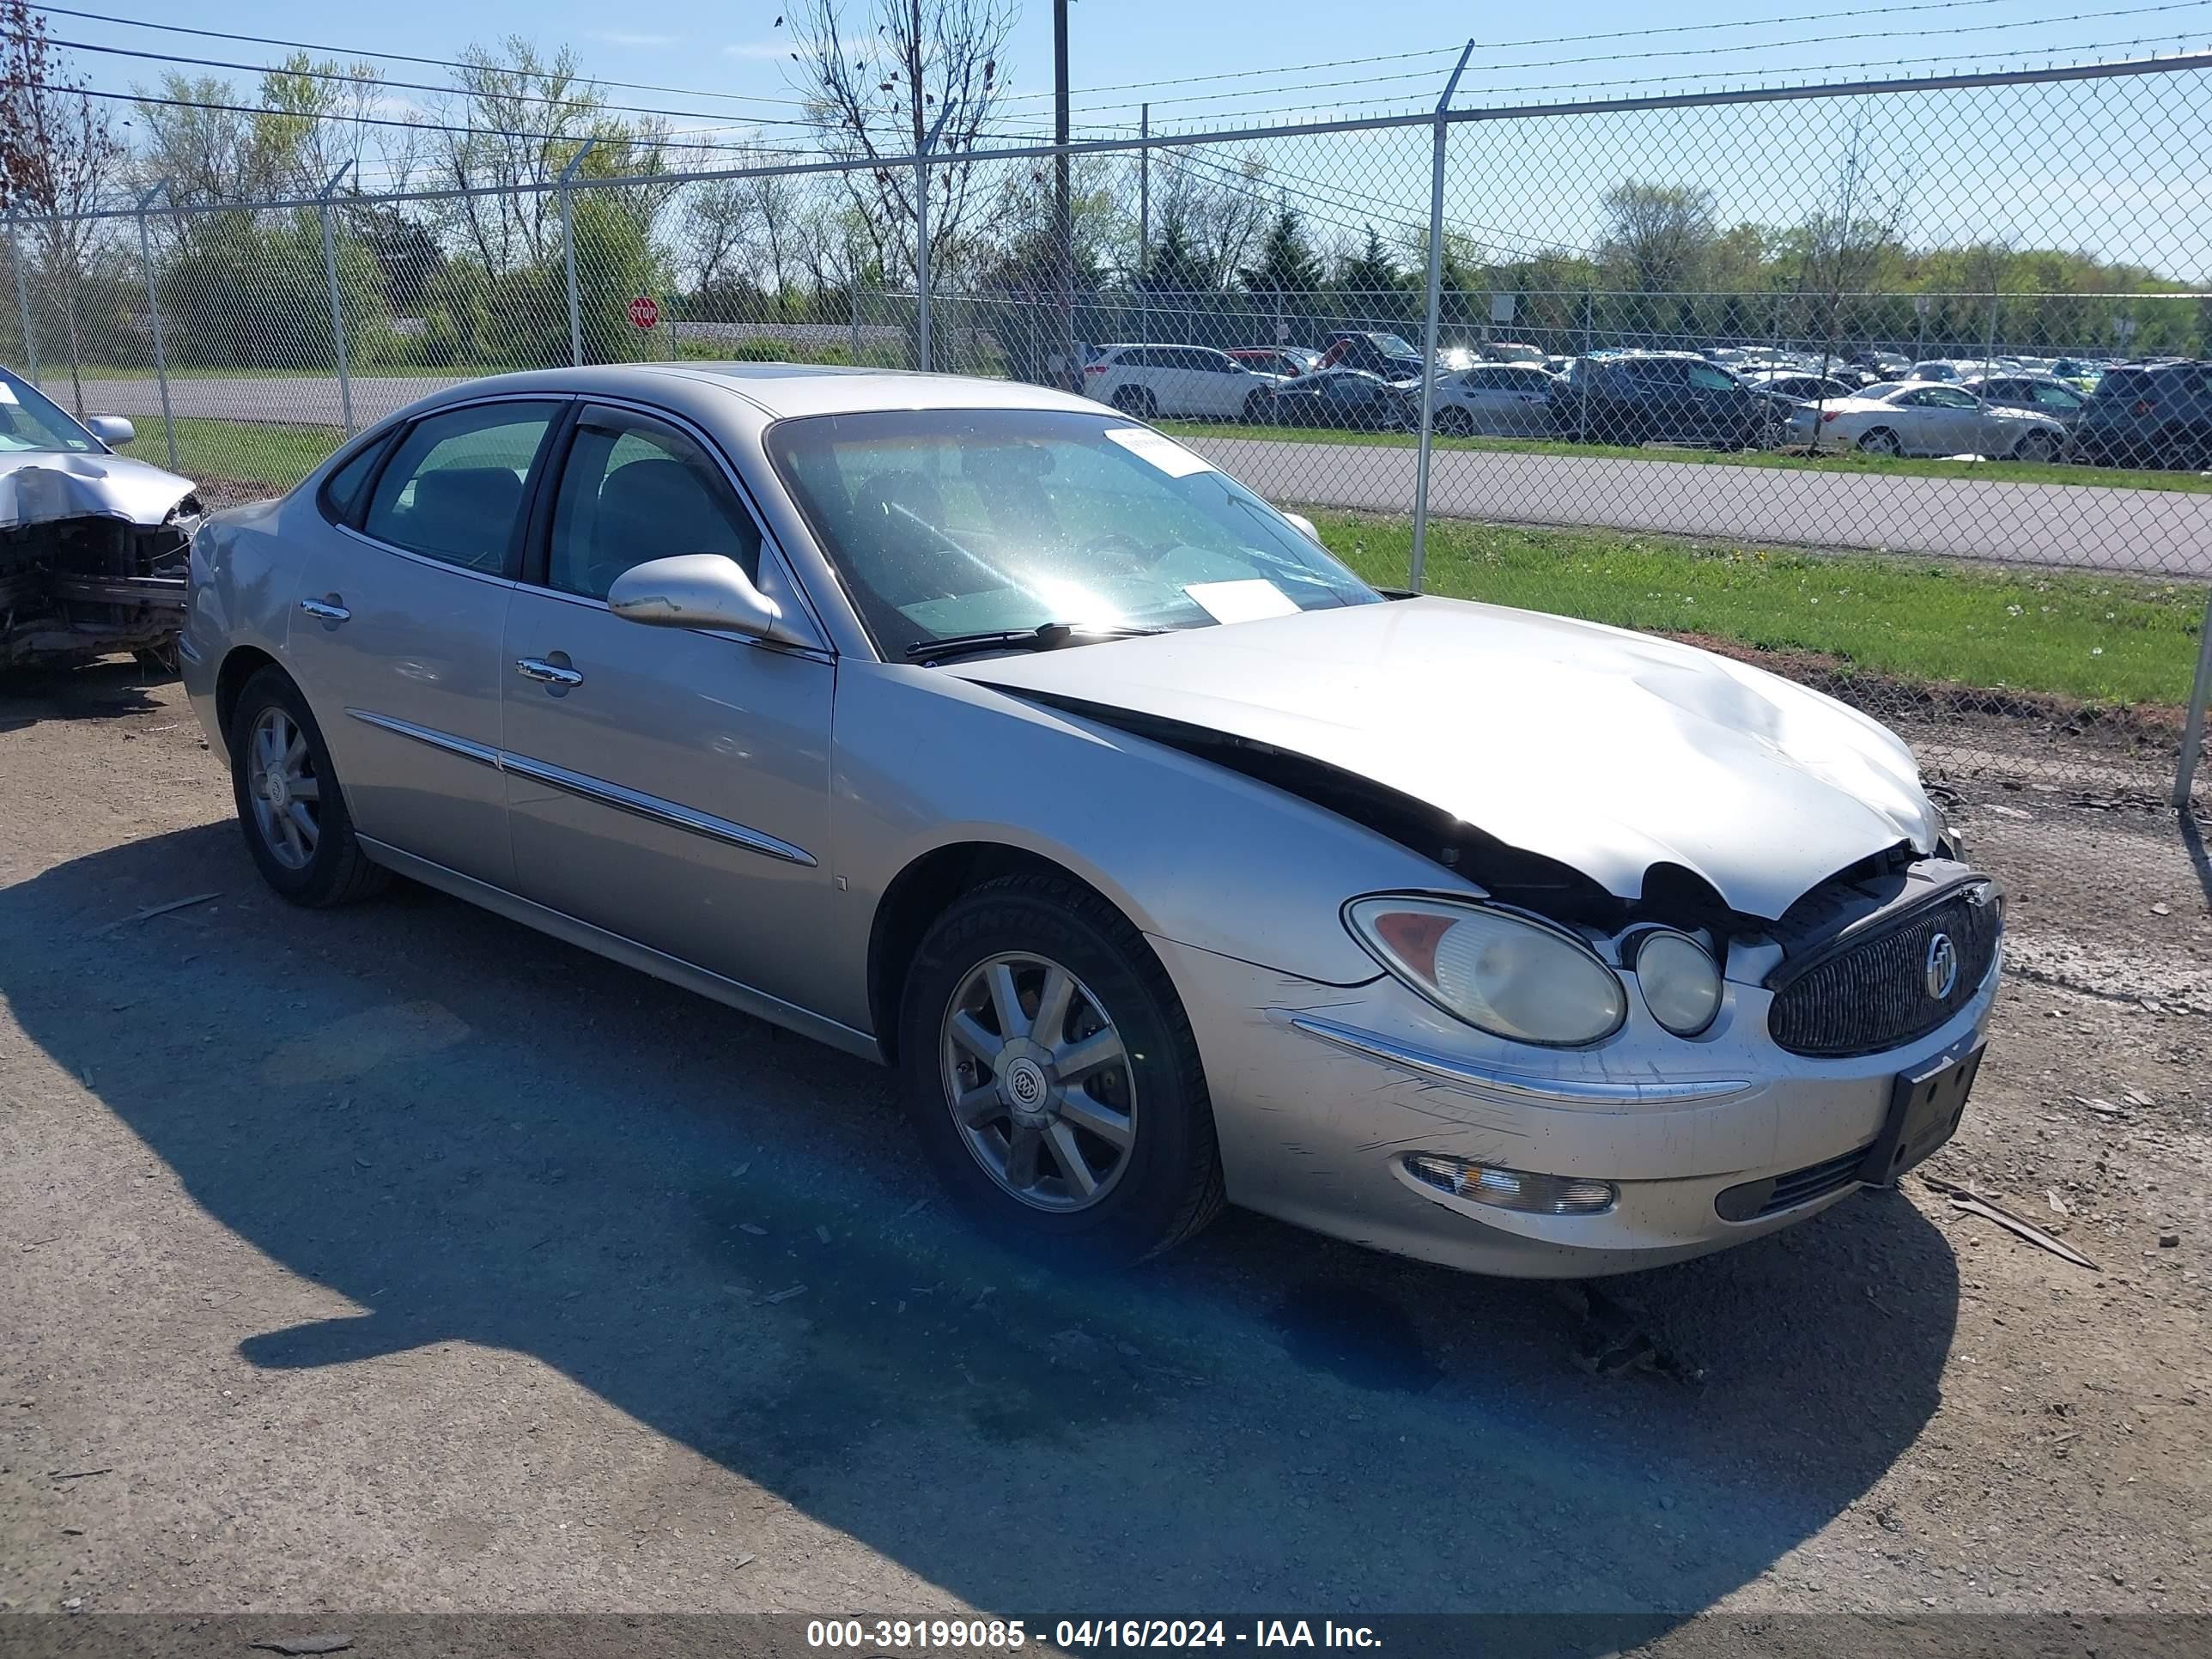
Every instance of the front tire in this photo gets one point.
(289, 805)
(2036, 446)
(1053, 1076)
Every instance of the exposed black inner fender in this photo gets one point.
(1671, 895)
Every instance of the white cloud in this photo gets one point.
(621, 37)
(761, 49)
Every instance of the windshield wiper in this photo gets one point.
(1046, 636)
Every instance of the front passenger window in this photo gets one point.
(452, 490)
(634, 490)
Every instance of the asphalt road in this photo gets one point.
(2140, 531)
(395, 1258)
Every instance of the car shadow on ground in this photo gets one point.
(92, 692)
(477, 1134)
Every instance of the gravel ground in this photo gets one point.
(400, 1259)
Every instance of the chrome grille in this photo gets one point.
(1864, 995)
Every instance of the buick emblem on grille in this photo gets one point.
(1942, 966)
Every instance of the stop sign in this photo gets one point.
(643, 312)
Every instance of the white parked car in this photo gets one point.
(1924, 417)
(1195, 382)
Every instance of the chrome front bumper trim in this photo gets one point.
(1517, 1086)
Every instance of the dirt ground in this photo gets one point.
(399, 1257)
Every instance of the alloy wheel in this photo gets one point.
(286, 793)
(1038, 1082)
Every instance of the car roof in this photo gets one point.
(776, 389)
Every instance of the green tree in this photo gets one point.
(1287, 264)
(1371, 271)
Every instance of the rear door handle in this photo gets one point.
(551, 673)
(326, 609)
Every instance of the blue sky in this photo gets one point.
(2115, 167)
(731, 47)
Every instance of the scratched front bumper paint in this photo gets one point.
(1315, 1134)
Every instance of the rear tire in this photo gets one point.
(1157, 1185)
(1255, 407)
(1882, 441)
(1135, 401)
(280, 773)
(1454, 423)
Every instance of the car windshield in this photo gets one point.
(1392, 346)
(950, 522)
(29, 420)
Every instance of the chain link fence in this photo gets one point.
(1899, 388)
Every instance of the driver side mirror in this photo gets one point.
(110, 430)
(700, 590)
(1305, 526)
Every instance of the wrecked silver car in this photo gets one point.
(93, 546)
(981, 730)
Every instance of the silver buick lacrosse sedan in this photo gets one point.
(993, 735)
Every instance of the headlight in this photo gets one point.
(1504, 973)
(1681, 983)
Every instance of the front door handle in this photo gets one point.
(327, 611)
(551, 673)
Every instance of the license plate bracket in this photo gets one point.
(1924, 1109)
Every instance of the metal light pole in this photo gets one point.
(338, 304)
(569, 254)
(154, 309)
(1429, 328)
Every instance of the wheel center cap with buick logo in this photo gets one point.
(1942, 966)
(1026, 1089)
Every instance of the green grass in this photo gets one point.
(1909, 466)
(249, 450)
(2100, 639)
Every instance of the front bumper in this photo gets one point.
(1320, 1092)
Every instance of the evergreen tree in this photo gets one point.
(1371, 271)
(1287, 264)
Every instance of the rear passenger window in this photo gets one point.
(341, 493)
(453, 490)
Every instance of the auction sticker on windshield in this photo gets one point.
(1241, 601)
(1170, 457)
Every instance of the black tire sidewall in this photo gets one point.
(1149, 1205)
(334, 843)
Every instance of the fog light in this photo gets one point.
(1513, 1189)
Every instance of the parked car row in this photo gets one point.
(2140, 415)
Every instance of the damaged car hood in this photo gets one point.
(45, 486)
(1609, 750)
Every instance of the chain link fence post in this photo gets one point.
(569, 254)
(921, 259)
(65, 256)
(23, 300)
(1428, 323)
(2192, 725)
(154, 314)
(338, 305)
